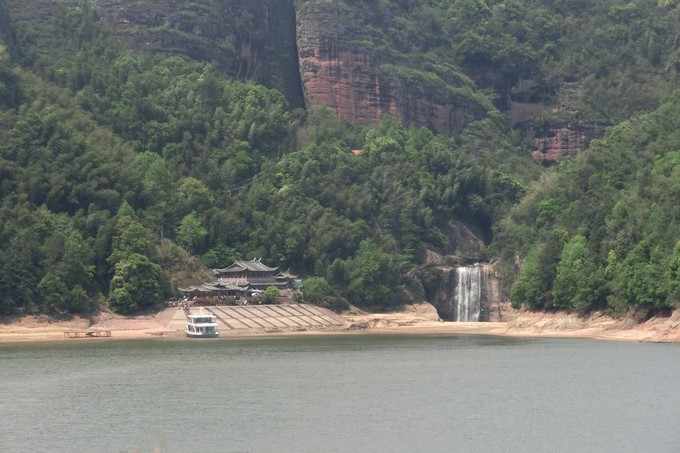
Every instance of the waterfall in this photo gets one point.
(468, 295)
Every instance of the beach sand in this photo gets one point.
(414, 319)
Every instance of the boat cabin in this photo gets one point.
(201, 325)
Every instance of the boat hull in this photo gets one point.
(201, 334)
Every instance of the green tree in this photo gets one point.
(10, 91)
(271, 293)
(218, 256)
(54, 294)
(673, 277)
(136, 284)
(190, 233)
(315, 289)
(76, 266)
(20, 274)
(372, 273)
(579, 283)
(529, 289)
(131, 237)
(637, 280)
(193, 195)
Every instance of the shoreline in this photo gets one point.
(418, 319)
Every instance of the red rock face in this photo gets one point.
(351, 84)
(345, 65)
(563, 143)
(345, 81)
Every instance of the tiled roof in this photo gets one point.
(194, 289)
(285, 275)
(235, 282)
(255, 265)
(222, 285)
(211, 287)
(265, 281)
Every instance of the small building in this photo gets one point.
(242, 278)
(253, 274)
(213, 289)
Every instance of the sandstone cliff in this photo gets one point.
(545, 111)
(350, 58)
(353, 58)
(553, 145)
(343, 68)
(244, 40)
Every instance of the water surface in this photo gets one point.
(358, 393)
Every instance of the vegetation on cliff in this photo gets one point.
(616, 54)
(245, 40)
(119, 171)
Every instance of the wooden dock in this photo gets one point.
(88, 334)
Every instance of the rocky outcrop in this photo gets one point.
(545, 111)
(21, 10)
(344, 80)
(243, 40)
(351, 83)
(362, 84)
(554, 144)
(531, 97)
(558, 144)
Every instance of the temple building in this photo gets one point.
(243, 278)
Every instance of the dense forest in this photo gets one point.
(124, 175)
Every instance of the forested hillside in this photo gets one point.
(124, 175)
(603, 230)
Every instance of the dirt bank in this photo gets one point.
(45, 328)
(423, 319)
(416, 319)
(595, 325)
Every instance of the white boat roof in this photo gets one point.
(201, 314)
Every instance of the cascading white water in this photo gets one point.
(468, 293)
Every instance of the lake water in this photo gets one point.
(358, 393)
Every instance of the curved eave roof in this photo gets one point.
(193, 289)
(210, 288)
(255, 265)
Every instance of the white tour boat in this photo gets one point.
(201, 325)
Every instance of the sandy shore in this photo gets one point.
(416, 319)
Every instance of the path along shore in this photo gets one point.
(414, 319)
